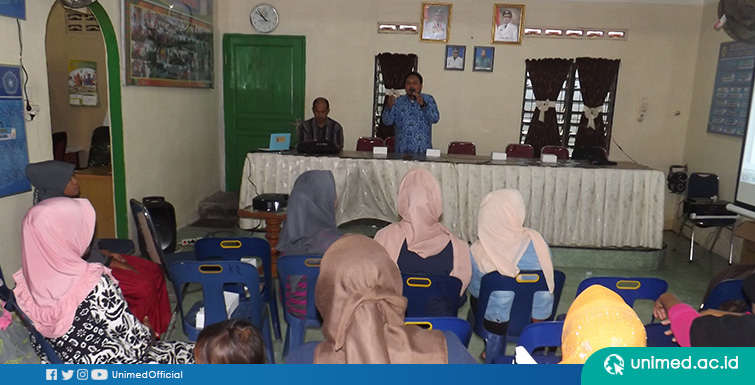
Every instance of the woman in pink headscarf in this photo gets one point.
(419, 243)
(77, 305)
(506, 246)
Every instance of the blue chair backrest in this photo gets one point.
(307, 266)
(524, 286)
(11, 305)
(656, 337)
(541, 335)
(431, 295)
(213, 276)
(233, 249)
(458, 326)
(730, 289)
(630, 289)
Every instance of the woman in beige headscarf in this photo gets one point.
(419, 243)
(506, 246)
(599, 318)
(358, 294)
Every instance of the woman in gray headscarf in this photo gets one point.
(310, 225)
(309, 228)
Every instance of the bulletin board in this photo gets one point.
(169, 43)
(14, 154)
(733, 87)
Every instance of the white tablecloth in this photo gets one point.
(569, 206)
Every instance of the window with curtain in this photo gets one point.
(390, 70)
(555, 115)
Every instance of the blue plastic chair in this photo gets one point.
(458, 326)
(629, 288)
(524, 287)
(11, 305)
(431, 295)
(730, 289)
(307, 266)
(233, 249)
(536, 336)
(213, 276)
(656, 337)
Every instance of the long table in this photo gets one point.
(571, 203)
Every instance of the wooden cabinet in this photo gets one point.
(96, 184)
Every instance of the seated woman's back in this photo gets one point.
(358, 294)
(74, 304)
(419, 234)
(506, 246)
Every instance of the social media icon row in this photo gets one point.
(81, 374)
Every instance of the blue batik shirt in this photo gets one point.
(413, 123)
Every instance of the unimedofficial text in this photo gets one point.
(146, 374)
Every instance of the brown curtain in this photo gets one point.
(595, 79)
(547, 76)
(394, 67)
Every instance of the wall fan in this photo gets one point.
(76, 3)
(737, 18)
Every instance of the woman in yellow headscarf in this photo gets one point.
(599, 318)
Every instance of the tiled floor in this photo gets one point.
(687, 280)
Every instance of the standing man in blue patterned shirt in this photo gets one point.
(413, 115)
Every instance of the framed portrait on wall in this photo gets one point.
(508, 20)
(436, 22)
(454, 56)
(483, 59)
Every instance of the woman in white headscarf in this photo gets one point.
(506, 246)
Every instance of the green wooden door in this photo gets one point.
(263, 78)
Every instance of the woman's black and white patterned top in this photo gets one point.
(105, 332)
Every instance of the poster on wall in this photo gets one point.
(14, 154)
(168, 43)
(732, 89)
(13, 8)
(82, 83)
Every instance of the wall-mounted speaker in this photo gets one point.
(677, 178)
(164, 218)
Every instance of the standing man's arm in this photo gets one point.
(388, 115)
(430, 109)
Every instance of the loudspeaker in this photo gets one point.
(164, 218)
(677, 178)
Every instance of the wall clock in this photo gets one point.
(264, 17)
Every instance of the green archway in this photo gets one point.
(116, 119)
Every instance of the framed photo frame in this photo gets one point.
(435, 25)
(508, 23)
(483, 59)
(454, 57)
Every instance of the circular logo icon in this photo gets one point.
(614, 364)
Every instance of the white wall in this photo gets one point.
(657, 62)
(170, 140)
